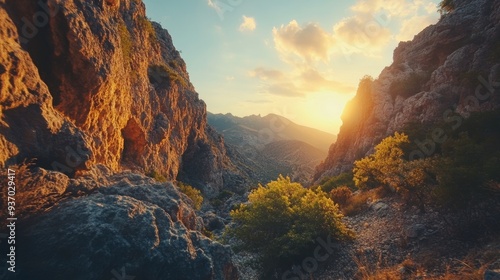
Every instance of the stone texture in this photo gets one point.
(126, 221)
(451, 56)
(101, 84)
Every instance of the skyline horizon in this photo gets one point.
(303, 63)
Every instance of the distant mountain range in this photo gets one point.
(273, 145)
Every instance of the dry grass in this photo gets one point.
(358, 202)
(410, 269)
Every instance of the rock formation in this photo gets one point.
(100, 83)
(448, 70)
(92, 95)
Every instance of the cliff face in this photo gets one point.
(448, 70)
(86, 82)
(90, 90)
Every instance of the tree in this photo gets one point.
(192, 193)
(282, 220)
(387, 167)
(384, 166)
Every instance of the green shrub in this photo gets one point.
(409, 86)
(157, 176)
(146, 25)
(282, 220)
(126, 42)
(344, 179)
(157, 73)
(192, 193)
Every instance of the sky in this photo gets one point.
(296, 58)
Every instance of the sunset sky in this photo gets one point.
(296, 58)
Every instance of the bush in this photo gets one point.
(126, 42)
(409, 86)
(344, 179)
(192, 193)
(157, 176)
(160, 72)
(341, 195)
(146, 25)
(282, 220)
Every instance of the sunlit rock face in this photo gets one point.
(94, 96)
(87, 82)
(452, 65)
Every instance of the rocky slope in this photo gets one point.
(448, 70)
(90, 90)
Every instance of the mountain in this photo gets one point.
(259, 131)
(447, 71)
(92, 97)
(272, 145)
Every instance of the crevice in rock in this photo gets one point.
(33, 20)
(134, 142)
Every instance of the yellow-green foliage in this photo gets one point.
(161, 71)
(382, 167)
(344, 179)
(126, 41)
(282, 220)
(192, 193)
(157, 176)
(146, 25)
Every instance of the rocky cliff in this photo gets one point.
(94, 95)
(86, 82)
(448, 70)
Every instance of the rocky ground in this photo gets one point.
(394, 241)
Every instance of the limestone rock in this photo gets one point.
(451, 65)
(131, 223)
(98, 83)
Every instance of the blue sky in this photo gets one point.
(297, 58)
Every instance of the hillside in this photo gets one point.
(447, 71)
(272, 145)
(259, 131)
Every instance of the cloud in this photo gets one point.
(297, 83)
(229, 78)
(412, 26)
(310, 43)
(362, 34)
(266, 74)
(285, 89)
(248, 24)
(312, 80)
(258, 101)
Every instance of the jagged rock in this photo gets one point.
(213, 222)
(145, 228)
(98, 98)
(379, 206)
(415, 231)
(447, 63)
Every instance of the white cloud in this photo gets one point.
(412, 26)
(248, 24)
(310, 43)
(362, 34)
